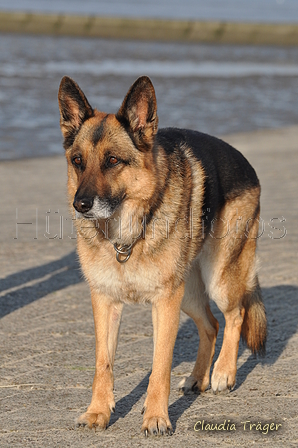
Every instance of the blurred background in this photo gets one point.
(213, 87)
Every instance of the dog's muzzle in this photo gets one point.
(94, 207)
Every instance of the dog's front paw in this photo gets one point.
(155, 426)
(93, 420)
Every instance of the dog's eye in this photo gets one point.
(77, 161)
(112, 161)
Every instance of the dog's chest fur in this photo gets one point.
(141, 279)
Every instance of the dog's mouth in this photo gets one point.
(87, 215)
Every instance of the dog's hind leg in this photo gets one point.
(229, 270)
(247, 319)
(196, 305)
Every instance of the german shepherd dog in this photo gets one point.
(169, 217)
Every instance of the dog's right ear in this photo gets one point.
(74, 109)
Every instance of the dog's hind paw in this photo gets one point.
(190, 385)
(222, 381)
(93, 420)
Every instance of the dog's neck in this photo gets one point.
(121, 230)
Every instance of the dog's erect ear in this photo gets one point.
(74, 109)
(138, 112)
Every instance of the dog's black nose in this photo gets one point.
(83, 205)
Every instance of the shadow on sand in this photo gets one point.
(32, 284)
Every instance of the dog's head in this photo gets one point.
(111, 169)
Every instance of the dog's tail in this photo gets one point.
(254, 326)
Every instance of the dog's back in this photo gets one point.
(227, 171)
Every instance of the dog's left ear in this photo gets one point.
(138, 112)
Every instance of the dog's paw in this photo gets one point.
(191, 385)
(155, 426)
(222, 380)
(93, 420)
(188, 385)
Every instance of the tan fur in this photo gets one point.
(173, 265)
(254, 331)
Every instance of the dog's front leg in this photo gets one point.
(165, 316)
(107, 316)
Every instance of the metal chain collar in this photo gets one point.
(125, 250)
